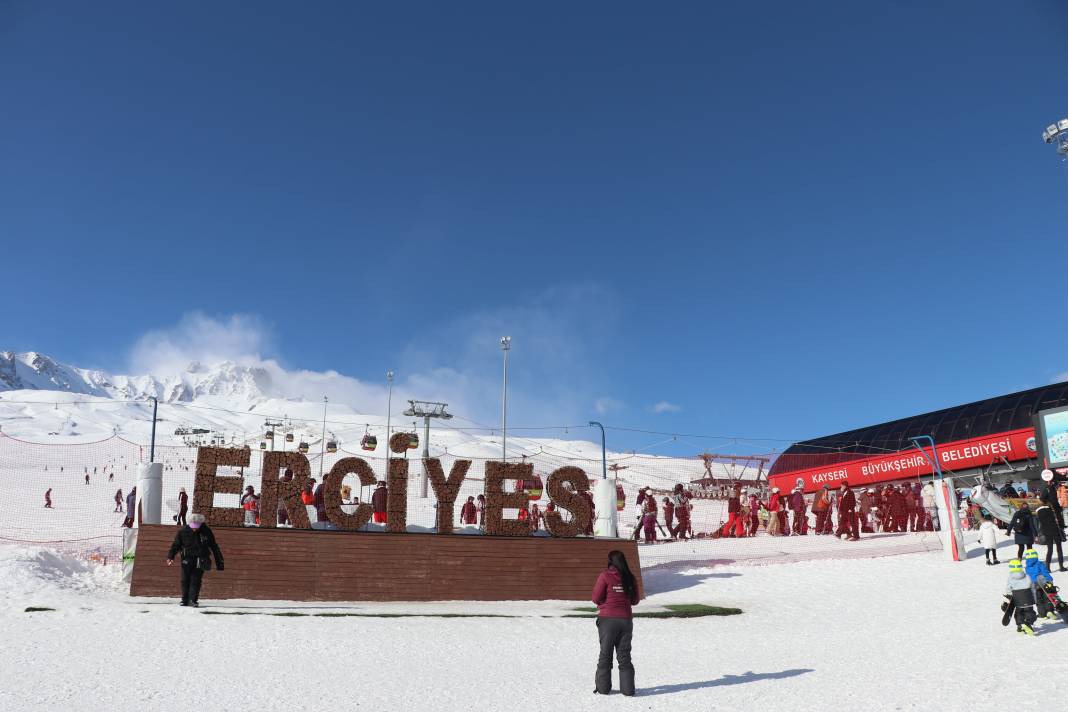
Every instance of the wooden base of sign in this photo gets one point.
(313, 565)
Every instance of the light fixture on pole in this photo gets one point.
(604, 454)
(426, 410)
(1057, 134)
(506, 346)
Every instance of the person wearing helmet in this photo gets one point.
(1039, 575)
(196, 544)
(1019, 593)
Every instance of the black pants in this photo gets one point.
(615, 635)
(991, 555)
(1049, 553)
(192, 575)
(181, 517)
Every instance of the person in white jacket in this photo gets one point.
(988, 537)
(927, 499)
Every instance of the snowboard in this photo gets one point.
(1059, 606)
(1010, 608)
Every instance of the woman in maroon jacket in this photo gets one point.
(614, 593)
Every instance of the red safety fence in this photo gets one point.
(73, 497)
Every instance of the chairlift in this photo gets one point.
(269, 435)
(369, 442)
(413, 441)
(621, 498)
(303, 447)
(263, 445)
(331, 445)
(289, 437)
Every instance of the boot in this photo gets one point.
(626, 681)
(603, 681)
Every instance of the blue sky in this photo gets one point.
(781, 220)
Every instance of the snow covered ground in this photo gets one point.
(909, 632)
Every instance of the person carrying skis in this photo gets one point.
(1021, 597)
(988, 537)
(669, 515)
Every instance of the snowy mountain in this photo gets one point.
(243, 385)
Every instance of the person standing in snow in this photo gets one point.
(898, 510)
(847, 515)
(774, 509)
(669, 515)
(118, 501)
(48, 499)
(682, 512)
(821, 507)
(1022, 529)
(615, 592)
(593, 511)
(468, 512)
(754, 513)
(797, 506)
(988, 537)
(480, 505)
(196, 544)
(927, 499)
(250, 503)
(183, 507)
(1040, 576)
(378, 502)
(649, 519)
(86, 478)
(1048, 526)
(867, 501)
(535, 517)
(131, 504)
(734, 511)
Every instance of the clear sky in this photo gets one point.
(774, 219)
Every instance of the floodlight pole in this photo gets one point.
(322, 450)
(506, 346)
(389, 409)
(152, 443)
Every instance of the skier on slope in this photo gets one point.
(1020, 595)
(48, 499)
(118, 501)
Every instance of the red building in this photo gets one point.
(994, 437)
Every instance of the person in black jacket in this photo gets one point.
(1049, 526)
(196, 542)
(1022, 528)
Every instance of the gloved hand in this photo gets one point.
(220, 567)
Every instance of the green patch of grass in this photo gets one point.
(675, 610)
(585, 609)
(38, 609)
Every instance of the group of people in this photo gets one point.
(676, 509)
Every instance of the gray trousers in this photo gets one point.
(615, 635)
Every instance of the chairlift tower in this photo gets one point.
(426, 410)
(1056, 134)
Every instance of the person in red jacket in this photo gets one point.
(798, 507)
(535, 517)
(468, 512)
(775, 523)
(378, 501)
(734, 511)
(898, 510)
(669, 515)
(307, 495)
(847, 514)
(615, 593)
(682, 512)
(593, 514)
(649, 519)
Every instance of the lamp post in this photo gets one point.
(322, 449)
(604, 456)
(389, 408)
(1056, 134)
(506, 346)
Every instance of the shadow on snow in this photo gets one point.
(725, 680)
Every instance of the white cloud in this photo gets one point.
(557, 339)
(605, 405)
(665, 407)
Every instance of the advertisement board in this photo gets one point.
(1052, 429)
